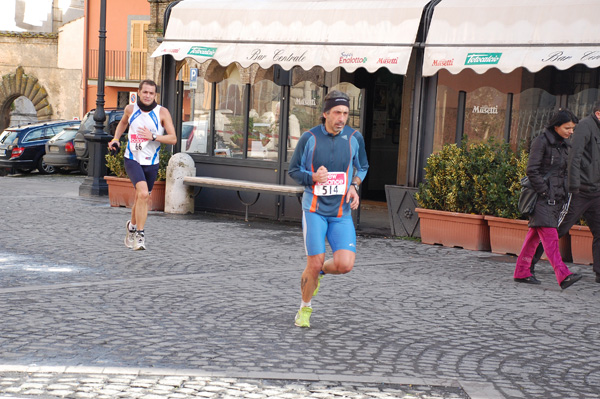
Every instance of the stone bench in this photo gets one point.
(244, 185)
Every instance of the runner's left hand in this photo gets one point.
(353, 198)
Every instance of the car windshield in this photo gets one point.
(88, 123)
(185, 131)
(188, 127)
(67, 134)
(8, 136)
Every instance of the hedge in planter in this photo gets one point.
(120, 190)
(480, 179)
(116, 163)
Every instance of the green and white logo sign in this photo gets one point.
(482, 58)
(202, 51)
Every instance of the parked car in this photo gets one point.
(113, 116)
(22, 148)
(60, 151)
(194, 136)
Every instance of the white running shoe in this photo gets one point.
(139, 241)
(130, 237)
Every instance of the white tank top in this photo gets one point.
(144, 151)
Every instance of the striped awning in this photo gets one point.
(350, 34)
(508, 34)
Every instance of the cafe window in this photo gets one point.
(195, 130)
(306, 106)
(230, 115)
(446, 112)
(263, 125)
(531, 111)
(485, 114)
(582, 103)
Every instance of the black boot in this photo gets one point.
(570, 280)
(528, 280)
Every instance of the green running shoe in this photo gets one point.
(303, 317)
(318, 284)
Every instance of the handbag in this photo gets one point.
(527, 198)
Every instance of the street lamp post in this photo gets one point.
(94, 183)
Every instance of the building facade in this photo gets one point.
(126, 55)
(420, 75)
(40, 68)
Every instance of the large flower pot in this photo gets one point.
(452, 229)
(507, 236)
(122, 193)
(581, 244)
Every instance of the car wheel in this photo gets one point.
(83, 167)
(44, 168)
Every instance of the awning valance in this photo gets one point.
(328, 33)
(508, 34)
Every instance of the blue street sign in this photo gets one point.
(193, 78)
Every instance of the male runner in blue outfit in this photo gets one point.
(324, 162)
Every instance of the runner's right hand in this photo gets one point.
(114, 146)
(320, 176)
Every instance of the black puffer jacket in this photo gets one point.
(584, 167)
(546, 150)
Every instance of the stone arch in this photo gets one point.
(14, 85)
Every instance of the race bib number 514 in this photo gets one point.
(335, 184)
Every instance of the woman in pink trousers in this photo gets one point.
(549, 153)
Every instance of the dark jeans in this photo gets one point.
(582, 204)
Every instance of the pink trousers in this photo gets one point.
(549, 238)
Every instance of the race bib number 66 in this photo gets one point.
(335, 184)
(138, 142)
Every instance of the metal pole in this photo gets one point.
(97, 140)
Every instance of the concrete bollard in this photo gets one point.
(178, 197)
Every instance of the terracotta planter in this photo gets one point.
(122, 193)
(507, 236)
(581, 244)
(452, 229)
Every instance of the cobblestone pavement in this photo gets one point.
(207, 311)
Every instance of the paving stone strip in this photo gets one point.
(100, 386)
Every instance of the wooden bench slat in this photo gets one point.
(242, 185)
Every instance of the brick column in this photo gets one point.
(155, 31)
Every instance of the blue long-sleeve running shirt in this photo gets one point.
(342, 152)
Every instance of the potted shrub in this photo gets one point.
(507, 226)
(120, 190)
(483, 180)
(448, 215)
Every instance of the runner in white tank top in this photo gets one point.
(142, 150)
(150, 125)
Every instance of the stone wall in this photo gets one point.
(29, 67)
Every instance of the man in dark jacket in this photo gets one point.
(584, 184)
